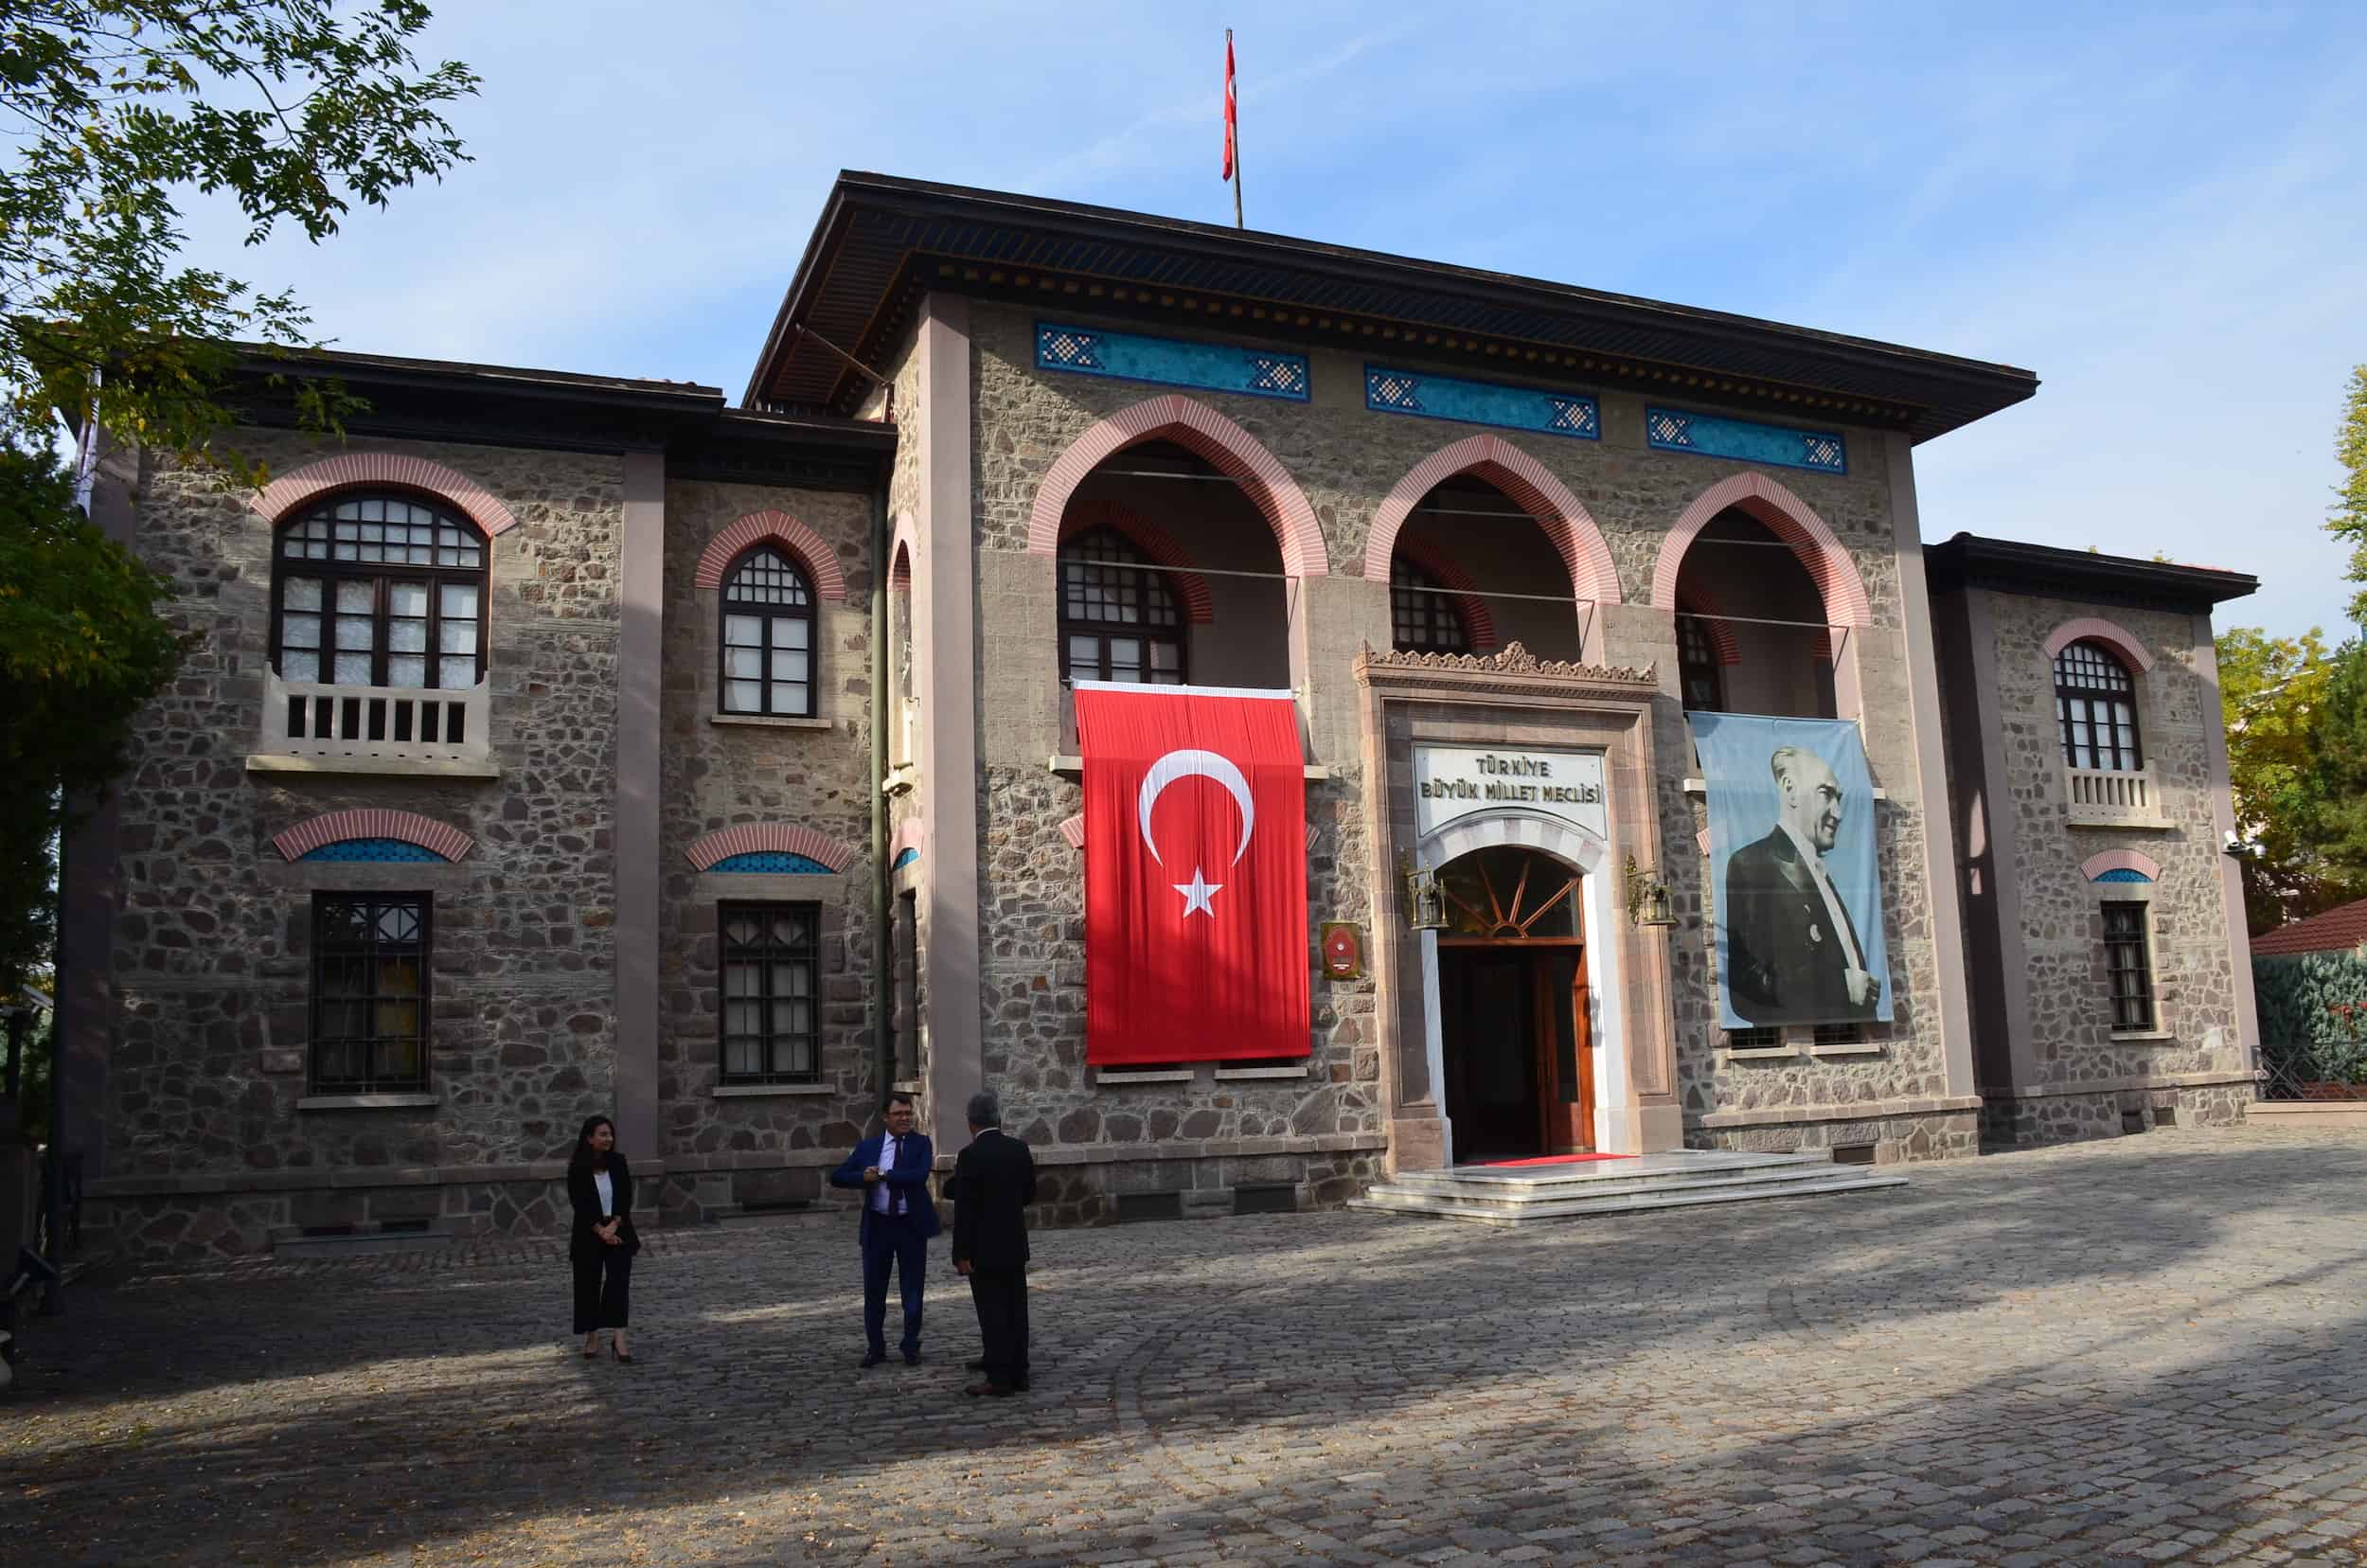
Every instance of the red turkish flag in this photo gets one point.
(1195, 944)
(1232, 113)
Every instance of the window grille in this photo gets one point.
(369, 993)
(2095, 700)
(1698, 672)
(379, 591)
(1118, 621)
(768, 636)
(772, 983)
(2128, 963)
(1425, 620)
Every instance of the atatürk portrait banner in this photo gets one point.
(1794, 873)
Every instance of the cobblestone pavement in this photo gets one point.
(2144, 1350)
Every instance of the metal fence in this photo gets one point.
(2325, 1068)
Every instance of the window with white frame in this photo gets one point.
(379, 590)
(2095, 702)
(767, 646)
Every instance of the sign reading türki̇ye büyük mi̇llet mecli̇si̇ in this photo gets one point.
(1453, 782)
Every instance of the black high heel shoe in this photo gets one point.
(621, 1355)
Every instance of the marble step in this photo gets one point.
(1835, 1179)
(1677, 1167)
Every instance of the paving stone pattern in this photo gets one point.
(2132, 1351)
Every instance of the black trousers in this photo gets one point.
(1001, 1297)
(603, 1282)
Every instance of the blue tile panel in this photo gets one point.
(372, 849)
(909, 856)
(2122, 875)
(771, 860)
(1388, 390)
(1715, 435)
(1171, 361)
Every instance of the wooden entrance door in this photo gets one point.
(1513, 1003)
(1565, 1058)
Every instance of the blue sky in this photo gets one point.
(2161, 211)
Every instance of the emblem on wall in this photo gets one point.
(1343, 950)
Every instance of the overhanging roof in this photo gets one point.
(881, 241)
(2011, 566)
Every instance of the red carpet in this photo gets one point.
(1551, 1159)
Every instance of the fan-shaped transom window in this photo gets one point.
(2095, 700)
(1424, 618)
(1118, 618)
(768, 636)
(1697, 665)
(379, 591)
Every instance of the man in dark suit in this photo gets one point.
(898, 1220)
(1793, 952)
(994, 1180)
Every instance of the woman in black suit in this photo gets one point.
(602, 1242)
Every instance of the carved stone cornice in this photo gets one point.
(1511, 674)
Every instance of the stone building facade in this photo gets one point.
(728, 868)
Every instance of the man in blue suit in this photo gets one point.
(898, 1220)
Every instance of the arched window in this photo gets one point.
(379, 591)
(2096, 701)
(1424, 619)
(1118, 621)
(1698, 677)
(768, 636)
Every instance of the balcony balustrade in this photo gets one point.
(309, 726)
(2101, 798)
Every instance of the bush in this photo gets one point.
(2313, 1015)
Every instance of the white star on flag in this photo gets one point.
(1196, 893)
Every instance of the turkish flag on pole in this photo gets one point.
(1195, 944)
(1232, 115)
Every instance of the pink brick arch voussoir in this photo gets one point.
(903, 549)
(1567, 523)
(2121, 860)
(1478, 619)
(783, 529)
(770, 838)
(354, 469)
(2091, 628)
(1202, 430)
(1154, 542)
(1787, 517)
(437, 838)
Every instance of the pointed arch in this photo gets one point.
(1568, 524)
(1477, 617)
(903, 549)
(817, 558)
(2123, 642)
(1208, 433)
(352, 469)
(1702, 602)
(770, 838)
(440, 839)
(1154, 542)
(1787, 517)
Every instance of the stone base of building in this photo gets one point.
(1107, 1193)
(1914, 1136)
(2028, 1119)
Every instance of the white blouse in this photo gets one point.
(608, 1193)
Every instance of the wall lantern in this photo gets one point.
(1426, 906)
(1647, 897)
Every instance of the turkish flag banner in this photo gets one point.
(1195, 945)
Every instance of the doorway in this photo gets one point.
(1513, 1008)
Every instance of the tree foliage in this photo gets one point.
(2348, 520)
(82, 648)
(119, 109)
(2272, 695)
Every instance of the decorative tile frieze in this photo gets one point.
(1746, 440)
(1171, 361)
(372, 849)
(772, 861)
(1389, 390)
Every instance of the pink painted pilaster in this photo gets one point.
(2223, 828)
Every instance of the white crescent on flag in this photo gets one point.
(1188, 764)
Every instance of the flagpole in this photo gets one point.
(1237, 135)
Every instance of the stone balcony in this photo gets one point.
(311, 727)
(2100, 797)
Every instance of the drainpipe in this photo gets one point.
(883, 937)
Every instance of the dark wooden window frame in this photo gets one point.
(329, 947)
(2129, 965)
(1422, 606)
(1698, 668)
(2115, 684)
(1151, 598)
(766, 955)
(381, 575)
(768, 614)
